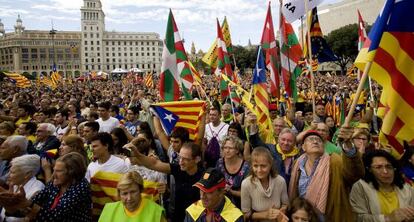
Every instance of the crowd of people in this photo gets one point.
(53, 143)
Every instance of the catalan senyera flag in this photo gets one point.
(103, 187)
(18, 79)
(189, 113)
(149, 83)
(362, 36)
(196, 74)
(390, 48)
(268, 44)
(261, 97)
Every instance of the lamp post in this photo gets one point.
(53, 33)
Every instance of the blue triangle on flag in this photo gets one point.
(259, 73)
(167, 118)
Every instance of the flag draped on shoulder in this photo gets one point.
(268, 43)
(291, 53)
(175, 72)
(18, 79)
(390, 49)
(261, 97)
(320, 48)
(185, 114)
(223, 63)
(294, 9)
(104, 190)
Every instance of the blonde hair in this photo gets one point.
(262, 151)
(129, 179)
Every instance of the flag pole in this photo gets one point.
(357, 94)
(310, 59)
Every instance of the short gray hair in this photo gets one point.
(20, 141)
(287, 130)
(50, 128)
(27, 163)
(237, 142)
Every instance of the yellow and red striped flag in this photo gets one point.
(103, 187)
(55, 77)
(149, 83)
(189, 115)
(389, 47)
(196, 74)
(261, 97)
(18, 79)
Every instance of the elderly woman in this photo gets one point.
(382, 195)
(66, 198)
(233, 167)
(132, 206)
(22, 173)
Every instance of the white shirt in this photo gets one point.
(30, 188)
(61, 131)
(107, 125)
(114, 164)
(211, 131)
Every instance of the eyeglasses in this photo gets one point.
(313, 139)
(388, 167)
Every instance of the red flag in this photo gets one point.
(268, 43)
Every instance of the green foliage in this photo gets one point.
(245, 57)
(344, 43)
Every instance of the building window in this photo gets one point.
(85, 35)
(91, 34)
(97, 42)
(97, 35)
(91, 28)
(125, 54)
(86, 60)
(93, 67)
(84, 28)
(86, 54)
(113, 43)
(99, 60)
(107, 67)
(107, 54)
(92, 60)
(91, 42)
(113, 60)
(113, 54)
(86, 42)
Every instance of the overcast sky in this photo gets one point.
(195, 18)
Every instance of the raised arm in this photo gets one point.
(148, 162)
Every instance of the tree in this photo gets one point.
(245, 57)
(344, 43)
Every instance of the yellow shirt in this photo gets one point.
(21, 120)
(388, 201)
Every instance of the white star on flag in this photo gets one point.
(169, 117)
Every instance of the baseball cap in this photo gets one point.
(211, 181)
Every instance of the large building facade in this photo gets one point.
(76, 52)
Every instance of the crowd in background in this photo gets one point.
(55, 143)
